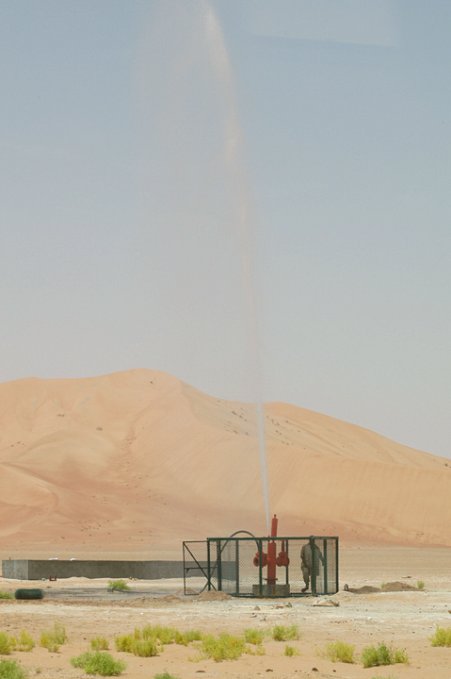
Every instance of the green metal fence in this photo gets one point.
(236, 565)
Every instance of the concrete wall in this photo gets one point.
(38, 569)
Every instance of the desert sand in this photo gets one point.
(135, 462)
(128, 465)
(404, 620)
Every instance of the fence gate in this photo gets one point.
(199, 569)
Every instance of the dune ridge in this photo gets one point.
(137, 461)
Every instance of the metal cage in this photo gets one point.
(237, 565)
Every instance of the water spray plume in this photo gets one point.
(193, 155)
(233, 155)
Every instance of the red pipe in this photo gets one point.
(270, 558)
(272, 554)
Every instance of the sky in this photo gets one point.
(252, 196)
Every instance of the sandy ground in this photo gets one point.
(404, 619)
(138, 461)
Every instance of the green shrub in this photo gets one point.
(6, 644)
(282, 633)
(59, 632)
(185, 638)
(254, 636)
(24, 642)
(166, 635)
(10, 669)
(5, 595)
(442, 637)
(290, 651)
(118, 586)
(339, 651)
(136, 644)
(223, 647)
(145, 648)
(373, 656)
(420, 585)
(165, 675)
(400, 656)
(146, 641)
(99, 663)
(99, 644)
(124, 643)
(54, 638)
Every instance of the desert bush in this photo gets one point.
(124, 643)
(54, 638)
(254, 636)
(10, 669)
(6, 643)
(420, 585)
(283, 633)
(118, 586)
(223, 647)
(145, 648)
(149, 639)
(442, 637)
(185, 638)
(99, 644)
(99, 663)
(5, 595)
(164, 675)
(339, 651)
(373, 656)
(165, 635)
(290, 651)
(24, 642)
(137, 644)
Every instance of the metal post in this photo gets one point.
(287, 578)
(326, 570)
(336, 565)
(184, 570)
(260, 568)
(237, 565)
(314, 559)
(218, 556)
(208, 566)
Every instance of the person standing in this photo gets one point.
(311, 557)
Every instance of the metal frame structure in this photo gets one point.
(241, 566)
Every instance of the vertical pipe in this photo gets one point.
(272, 554)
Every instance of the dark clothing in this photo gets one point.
(307, 562)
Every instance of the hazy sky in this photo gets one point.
(251, 195)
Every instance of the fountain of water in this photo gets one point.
(202, 185)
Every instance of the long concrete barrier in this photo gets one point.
(45, 569)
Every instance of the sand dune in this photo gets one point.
(136, 462)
